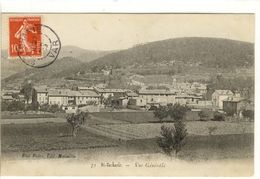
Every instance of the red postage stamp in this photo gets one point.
(25, 36)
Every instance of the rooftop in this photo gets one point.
(85, 88)
(7, 97)
(89, 94)
(105, 90)
(157, 91)
(41, 89)
(71, 93)
(234, 99)
(60, 92)
(223, 92)
(132, 94)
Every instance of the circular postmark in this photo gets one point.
(49, 48)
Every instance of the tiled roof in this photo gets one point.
(188, 96)
(71, 93)
(5, 91)
(105, 90)
(157, 92)
(41, 89)
(234, 99)
(7, 97)
(89, 93)
(224, 92)
(132, 94)
(85, 88)
(58, 92)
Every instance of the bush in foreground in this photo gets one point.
(173, 137)
(76, 121)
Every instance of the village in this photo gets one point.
(147, 98)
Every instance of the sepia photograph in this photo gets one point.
(114, 94)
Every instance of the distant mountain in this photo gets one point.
(208, 52)
(13, 66)
(10, 66)
(81, 54)
(38, 74)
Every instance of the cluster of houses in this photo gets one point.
(224, 100)
(121, 98)
(12, 95)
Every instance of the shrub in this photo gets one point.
(173, 138)
(203, 115)
(50, 108)
(76, 121)
(161, 112)
(248, 113)
(177, 111)
(16, 106)
(4, 106)
(55, 108)
(153, 108)
(44, 108)
(218, 117)
(212, 129)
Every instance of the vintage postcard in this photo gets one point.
(127, 94)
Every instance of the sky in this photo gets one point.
(121, 31)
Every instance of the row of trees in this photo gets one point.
(50, 108)
(13, 106)
(21, 106)
(206, 115)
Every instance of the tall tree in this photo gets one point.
(173, 137)
(27, 90)
(76, 121)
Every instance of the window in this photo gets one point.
(152, 99)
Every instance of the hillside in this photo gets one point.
(38, 74)
(205, 53)
(13, 66)
(210, 52)
(81, 54)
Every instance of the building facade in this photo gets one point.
(219, 96)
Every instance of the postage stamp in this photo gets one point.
(24, 36)
(35, 44)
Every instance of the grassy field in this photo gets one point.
(8, 115)
(204, 147)
(138, 117)
(56, 137)
(127, 117)
(128, 131)
(48, 136)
